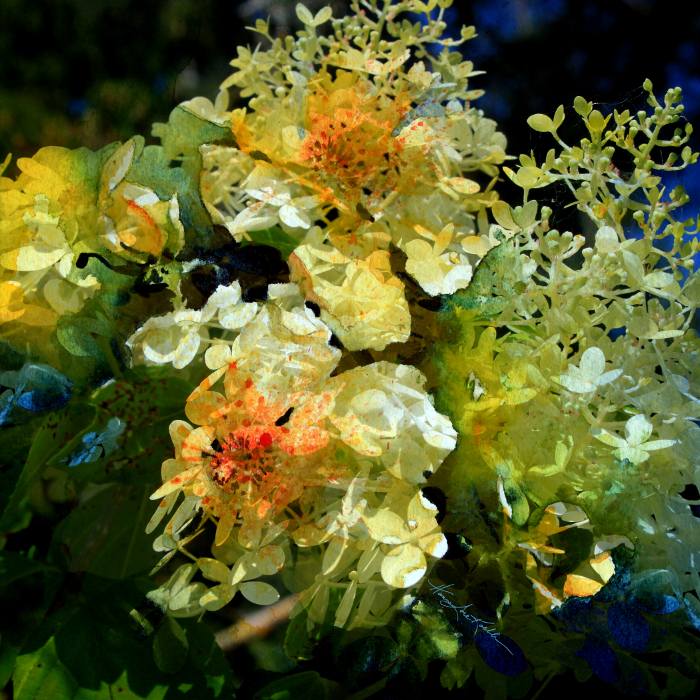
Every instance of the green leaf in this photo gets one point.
(106, 533)
(299, 643)
(457, 671)
(299, 686)
(403, 678)
(576, 543)
(678, 685)
(435, 644)
(60, 433)
(77, 341)
(515, 501)
(15, 443)
(170, 646)
(369, 654)
(276, 238)
(14, 566)
(147, 400)
(27, 589)
(88, 651)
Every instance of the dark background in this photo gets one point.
(88, 72)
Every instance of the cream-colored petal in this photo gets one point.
(241, 569)
(176, 483)
(387, 527)
(186, 596)
(187, 349)
(259, 593)
(404, 567)
(238, 316)
(218, 356)
(434, 545)
(214, 570)
(179, 430)
(267, 560)
(224, 526)
(215, 598)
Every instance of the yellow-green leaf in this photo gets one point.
(541, 122)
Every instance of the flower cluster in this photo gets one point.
(285, 452)
(373, 393)
(356, 156)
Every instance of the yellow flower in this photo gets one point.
(360, 299)
(436, 270)
(410, 538)
(588, 578)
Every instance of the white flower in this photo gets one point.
(634, 446)
(347, 522)
(47, 247)
(436, 269)
(384, 412)
(175, 337)
(360, 298)
(590, 374)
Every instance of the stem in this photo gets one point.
(367, 692)
(544, 685)
(380, 25)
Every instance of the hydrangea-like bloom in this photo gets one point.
(282, 427)
(360, 298)
(175, 337)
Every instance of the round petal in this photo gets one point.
(187, 349)
(404, 566)
(214, 570)
(186, 596)
(266, 561)
(260, 593)
(434, 545)
(218, 356)
(200, 409)
(638, 430)
(215, 598)
(386, 527)
(238, 316)
(407, 460)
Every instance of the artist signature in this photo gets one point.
(480, 624)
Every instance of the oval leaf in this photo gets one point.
(501, 653)
(628, 626)
(540, 122)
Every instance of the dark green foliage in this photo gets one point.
(88, 647)
(298, 686)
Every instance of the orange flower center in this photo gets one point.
(246, 457)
